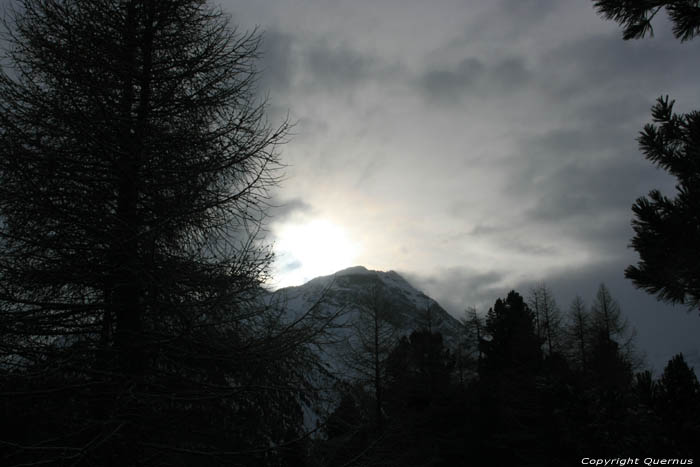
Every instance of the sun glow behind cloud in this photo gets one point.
(307, 250)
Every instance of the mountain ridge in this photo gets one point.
(348, 291)
(348, 301)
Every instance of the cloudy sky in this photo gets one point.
(475, 146)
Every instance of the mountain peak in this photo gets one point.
(348, 290)
(348, 302)
(353, 270)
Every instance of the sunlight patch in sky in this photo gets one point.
(310, 249)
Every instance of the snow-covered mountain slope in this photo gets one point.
(346, 303)
(355, 289)
(352, 292)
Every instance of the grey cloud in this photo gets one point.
(608, 114)
(589, 169)
(511, 72)
(334, 66)
(478, 231)
(505, 21)
(579, 189)
(560, 206)
(280, 210)
(291, 266)
(531, 248)
(591, 203)
(458, 288)
(369, 171)
(482, 230)
(580, 141)
(509, 239)
(609, 64)
(528, 11)
(290, 60)
(278, 61)
(472, 76)
(326, 65)
(447, 82)
(611, 238)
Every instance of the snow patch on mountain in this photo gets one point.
(346, 295)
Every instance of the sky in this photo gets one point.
(474, 146)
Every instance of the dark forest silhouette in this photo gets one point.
(135, 168)
(521, 404)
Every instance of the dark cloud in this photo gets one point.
(334, 66)
(281, 211)
(581, 190)
(580, 141)
(582, 195)
(615, 68)
(608, 115)
(447, 82)
(483, 230)
(278, 61)
(290, 60)
(472, 76)
(505, 22)
(458, 288)
(508, 238)
(529, 247)
(582, 179)
(528, 12)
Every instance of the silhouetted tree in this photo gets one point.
(667, 231)
(512, 338)
(418, 367)
(548, 321)
(578, 331)
(646, 388)
(611, 342)
(607, 363)
(510, 403)
(374, 337)
(609, 324)
(135, 164)
(470, 349)
(677, 399)
(422, 408)
(350, 431)
(426, 319)
(636, 16)
(678, 386)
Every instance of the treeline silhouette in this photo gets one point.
(136, 163)
(507, 396)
